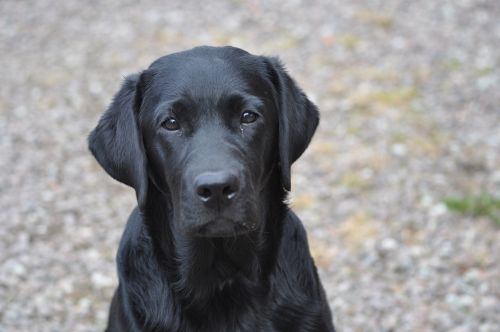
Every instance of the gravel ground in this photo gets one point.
(409, 95)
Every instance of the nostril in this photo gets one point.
(204, 192)
(216, 188)
(229, 192)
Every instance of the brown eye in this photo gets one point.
(249, 117)
(170, 124)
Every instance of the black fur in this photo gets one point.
(183, 265)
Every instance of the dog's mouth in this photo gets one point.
(223, 228)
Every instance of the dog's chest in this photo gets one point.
(231, 311)
(243, 321)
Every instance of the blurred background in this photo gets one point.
(399, 190)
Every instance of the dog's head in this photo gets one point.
(207, 127)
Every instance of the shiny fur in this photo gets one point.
(252, 271)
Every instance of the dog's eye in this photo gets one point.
(170, 124)
(249, 117)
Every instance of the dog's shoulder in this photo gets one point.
(145, 295)
(297, 291)
(133, 232)
(294, 259)
(294, 236)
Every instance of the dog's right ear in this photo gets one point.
(116, 142)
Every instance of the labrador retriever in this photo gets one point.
(206, 137)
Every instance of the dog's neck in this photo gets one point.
(200, 270)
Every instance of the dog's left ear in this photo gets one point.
(297, 119)
(116, 142)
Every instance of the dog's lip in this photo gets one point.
(224, 227)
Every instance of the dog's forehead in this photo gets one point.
(204, 75)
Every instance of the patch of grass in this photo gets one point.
(350, 42)
(453, 64)
(398, 97)
(399, 137)
(483, 205)
(376, 18)
(353, 180)
(286, 42)
(486, 71)
(395, 97)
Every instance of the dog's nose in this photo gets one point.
(216, 188)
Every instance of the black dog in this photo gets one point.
(206, 137)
